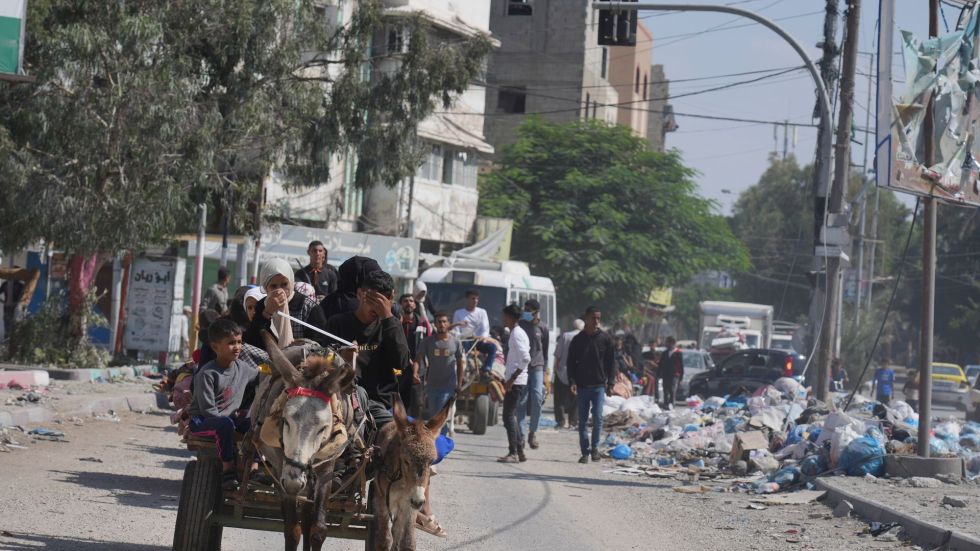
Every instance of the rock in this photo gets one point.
(950, 479)
(923, 482)
(843, 509)
(954, 501)
(741, 468)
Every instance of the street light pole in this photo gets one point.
(824, 145)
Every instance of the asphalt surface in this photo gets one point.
(114, 486)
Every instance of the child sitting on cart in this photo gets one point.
(219, 390)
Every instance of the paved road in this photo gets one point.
(115, 486)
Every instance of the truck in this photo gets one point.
(733, 325)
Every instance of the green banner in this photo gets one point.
(9, 45)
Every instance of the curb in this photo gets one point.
(99, 405)
(91, 375)
(921, 532)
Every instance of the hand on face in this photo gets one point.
(274, 302)
(380, 304)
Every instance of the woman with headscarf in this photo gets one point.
(276, 278)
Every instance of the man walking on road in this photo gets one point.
(670, 370)
(319, 274)
(537, 332)
(565, 405)
(442, 355)
(518, 358)
(591, 373)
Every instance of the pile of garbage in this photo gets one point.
(775, 439)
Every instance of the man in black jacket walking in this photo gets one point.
(670, 371)
(591, 372)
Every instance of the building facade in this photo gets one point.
(661, 112)
(549, 62)
(629, 75)
(438, 205)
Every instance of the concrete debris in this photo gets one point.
(954, 501)
(843, 509)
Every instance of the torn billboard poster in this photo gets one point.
(944, 69)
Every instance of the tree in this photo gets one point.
(141, 109)
(604, 216)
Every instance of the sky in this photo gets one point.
(730, 156)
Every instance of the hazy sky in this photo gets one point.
(731, 155)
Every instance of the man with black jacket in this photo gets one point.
(591, 372)
(537, 332)
(382, 351)
(318, 273)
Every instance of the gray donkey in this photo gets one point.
(301, 421)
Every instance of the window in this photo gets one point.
(448, 157)
(353, 195)
(511, 101)
(636, 83)
(595, 107)
(431, 168)
(645, 86)
(397, 39)
(605, 61)
(519, 7)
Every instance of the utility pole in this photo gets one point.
(828, 75)
(202, 213)
(859, 299)
(829, 332)
(928, 264)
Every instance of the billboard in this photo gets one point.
(945, 70)
(13, 14)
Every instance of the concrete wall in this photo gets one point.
(629, 75)
(661, 120)
(552, 54)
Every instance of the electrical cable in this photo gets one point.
(888, 309)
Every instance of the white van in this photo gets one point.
(499, 284)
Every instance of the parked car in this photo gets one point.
(972, 402)
(949, 384)
(695, 363)
(749, 369)
(972, 372)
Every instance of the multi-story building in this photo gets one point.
(661, 113)
(629, 75)
(438, 204)
(549, 62)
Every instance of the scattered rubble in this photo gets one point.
(773, 440)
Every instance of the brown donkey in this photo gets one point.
(407, 450)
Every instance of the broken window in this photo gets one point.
(512, 100)
(519, 7)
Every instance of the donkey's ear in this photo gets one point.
(289, 374)
(398, 411)
(335, 380)
(439, 419)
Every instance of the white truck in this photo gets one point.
(749, 325)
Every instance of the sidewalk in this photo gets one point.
(76, 398)
(927, 515)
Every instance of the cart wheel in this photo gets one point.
(481, 412)
(492, 418)
(200, 495)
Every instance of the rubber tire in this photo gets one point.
(494, 413)
(480, 415)
(200, 494)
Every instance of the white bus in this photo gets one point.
(499, 284)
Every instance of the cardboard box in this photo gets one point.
(746, 442)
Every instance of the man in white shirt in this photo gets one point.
(473, 321)
(518, 358)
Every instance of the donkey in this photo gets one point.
(307, 428)
(407, 450)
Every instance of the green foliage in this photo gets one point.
(44, 337)
(141, 109)
(604, 216)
